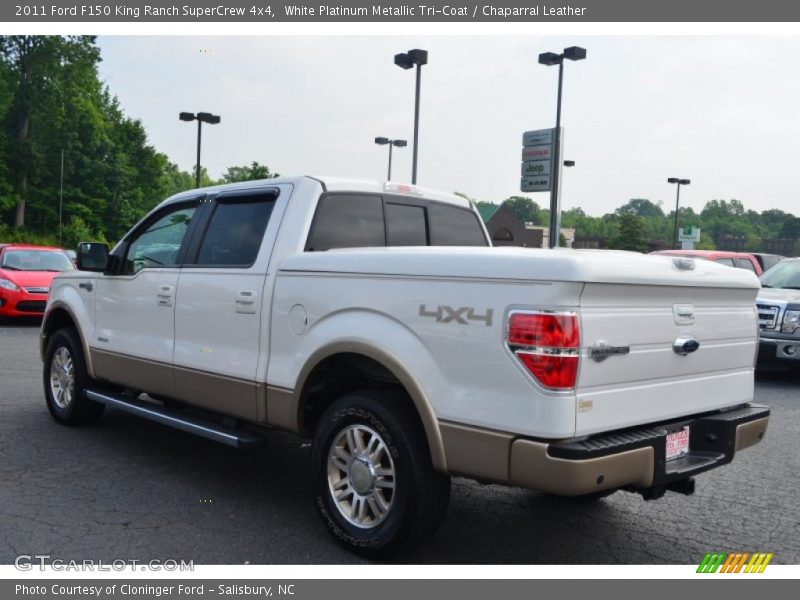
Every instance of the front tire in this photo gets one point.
(374, 484)
(66, 379)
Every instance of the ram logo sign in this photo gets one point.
(735, 562)
(462, 315)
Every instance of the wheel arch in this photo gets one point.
(373, 364)
(59, 316)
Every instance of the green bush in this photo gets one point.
(25, 236)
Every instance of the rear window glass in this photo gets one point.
(451, 226)
(235, 231)
(355, 220)
(405, 225)
(728, 262)
(744, 263)
(347, 222)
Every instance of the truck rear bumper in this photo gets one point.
(632, 458)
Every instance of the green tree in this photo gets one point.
(720, 218)
(57, 104)
(790, 229)
(39, 70)
(641, 207)
(173, 181)
(248, 173)
(630, 235)
(772, 222)
(526, 210)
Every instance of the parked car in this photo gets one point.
(742, 260)
(280, 304)
(26, 273)
(767, 261)
(778, 305)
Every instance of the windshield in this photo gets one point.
(36, 260)
(785, 274)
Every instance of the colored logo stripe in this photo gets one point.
(711, 562)
(735, 562)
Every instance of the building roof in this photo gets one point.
(487, 211)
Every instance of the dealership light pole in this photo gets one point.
(201, 117)
(384, 141)
(680, 182)
(550, 59)
(406, 60)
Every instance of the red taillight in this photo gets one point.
(549, 330)
(547, 344)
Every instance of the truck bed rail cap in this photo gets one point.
(600, 266)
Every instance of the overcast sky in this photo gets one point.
(721, 111)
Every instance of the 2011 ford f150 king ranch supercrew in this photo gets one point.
(377, 320)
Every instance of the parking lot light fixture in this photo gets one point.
(406, 60)
(679, 183)
(384, 141)
(201, 117)
(551, 59)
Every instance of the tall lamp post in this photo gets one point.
(406, 60)
(383, 141)
(680, 182)
(550, 59)
(201, 117)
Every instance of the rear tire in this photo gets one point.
(374, 483)
(66, 379)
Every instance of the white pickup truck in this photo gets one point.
(377, 320)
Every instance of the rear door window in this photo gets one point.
(234, 234)
(728, 262)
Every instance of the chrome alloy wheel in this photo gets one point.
(361, 476)
(62, 377)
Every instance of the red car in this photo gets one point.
(25, 276)
(742, 260)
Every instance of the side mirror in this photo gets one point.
(92, 257)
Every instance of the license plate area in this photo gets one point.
(677, 443)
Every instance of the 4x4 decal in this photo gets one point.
(463, 315)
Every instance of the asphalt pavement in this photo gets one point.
(130, 489)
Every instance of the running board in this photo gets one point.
(230, 436)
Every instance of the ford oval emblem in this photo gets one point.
(686, 344)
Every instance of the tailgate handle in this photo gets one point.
(683, 313)
(684, 345)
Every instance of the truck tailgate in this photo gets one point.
(643, 379)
